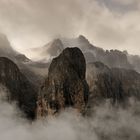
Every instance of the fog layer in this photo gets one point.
(106, 123)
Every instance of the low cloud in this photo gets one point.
(106, 122)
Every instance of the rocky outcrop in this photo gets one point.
(134, 60)
(22, 58)
(116, 58)
(19, 88)
(130, 81)
(111, 83)
(66, 85)
(54, 48)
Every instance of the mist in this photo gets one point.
(105, 123)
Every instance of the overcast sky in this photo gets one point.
(109, 24)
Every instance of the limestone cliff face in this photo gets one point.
(20, 89)
(66, 85)
(111, 83)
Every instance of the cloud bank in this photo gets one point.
(108, 24)
(106, 123)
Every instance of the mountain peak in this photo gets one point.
(54, 48)
(82, 38)
(57, 40)
(18, 86)
(65, 85)
(5, 46)
(4, 42)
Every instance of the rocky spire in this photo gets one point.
(66, 85)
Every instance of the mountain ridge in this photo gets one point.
(112, 58)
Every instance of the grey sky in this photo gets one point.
(106, 23)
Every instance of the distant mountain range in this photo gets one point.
(112, 58)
